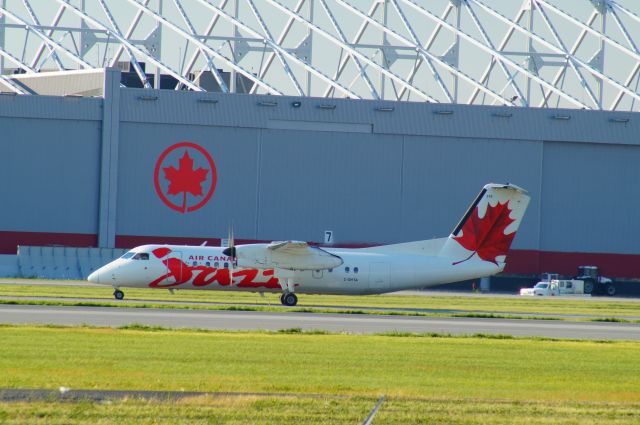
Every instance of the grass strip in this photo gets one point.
(217, 307)
(220, 307)
(293, 361)
(243, 410)
(596, 306)
(298, 331)
(426, 378)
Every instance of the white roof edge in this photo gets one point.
(505, 186)
(43, 74)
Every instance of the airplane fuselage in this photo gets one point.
(477, 247)
(364, 271)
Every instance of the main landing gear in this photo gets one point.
(118, 294)
(289, 299)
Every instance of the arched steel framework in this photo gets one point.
(532, 53)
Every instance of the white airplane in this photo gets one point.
(476, 248)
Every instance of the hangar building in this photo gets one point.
(92, 172)
(353, 155)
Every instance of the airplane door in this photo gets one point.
(379, 276)
(174, 266)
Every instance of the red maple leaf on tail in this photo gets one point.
(485, 236)
(185, 179)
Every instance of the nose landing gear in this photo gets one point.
(118, 294)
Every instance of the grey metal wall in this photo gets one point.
(591, 198)
(373, 172)
(49, 151)
(387, 176)
(140, 210)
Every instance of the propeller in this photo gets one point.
(230, 252)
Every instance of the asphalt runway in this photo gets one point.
(251, 320)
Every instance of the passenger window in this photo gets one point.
(330, 270)
(208, 264)
(355, 270)
(141, 256)
(226, 265)
(195, 263)
(346, 269)
(216, 264)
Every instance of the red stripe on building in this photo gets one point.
(9, 241)
(521, 261)
(128, 241)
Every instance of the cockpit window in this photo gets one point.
(141, 256)
(128, 255)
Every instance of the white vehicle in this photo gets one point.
(476, 248)
(556, 287)
(586, 283)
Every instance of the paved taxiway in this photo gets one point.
(250, 320)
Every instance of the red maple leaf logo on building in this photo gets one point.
(485, 236)
(185, 179)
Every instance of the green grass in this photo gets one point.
(199, 410)
(351, 410)
(48, 357)
(471, 306)
(444, 378)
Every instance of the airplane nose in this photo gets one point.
(94, 277)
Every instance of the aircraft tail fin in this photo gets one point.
(487, 229)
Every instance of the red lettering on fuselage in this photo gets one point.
(176, 269)
(208, 258)
(202, 276)
(161, 252)
(209, 275)
(249, 276)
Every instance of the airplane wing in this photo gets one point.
(296, 255)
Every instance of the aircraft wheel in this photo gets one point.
(118, 294)
(289, 299)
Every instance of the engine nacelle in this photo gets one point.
(288, 255)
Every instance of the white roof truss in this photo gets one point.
(530, 53)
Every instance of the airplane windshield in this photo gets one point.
(128, 255)
(141, 256)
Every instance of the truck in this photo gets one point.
(594, 283)
(586, 283)
(550, 285)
